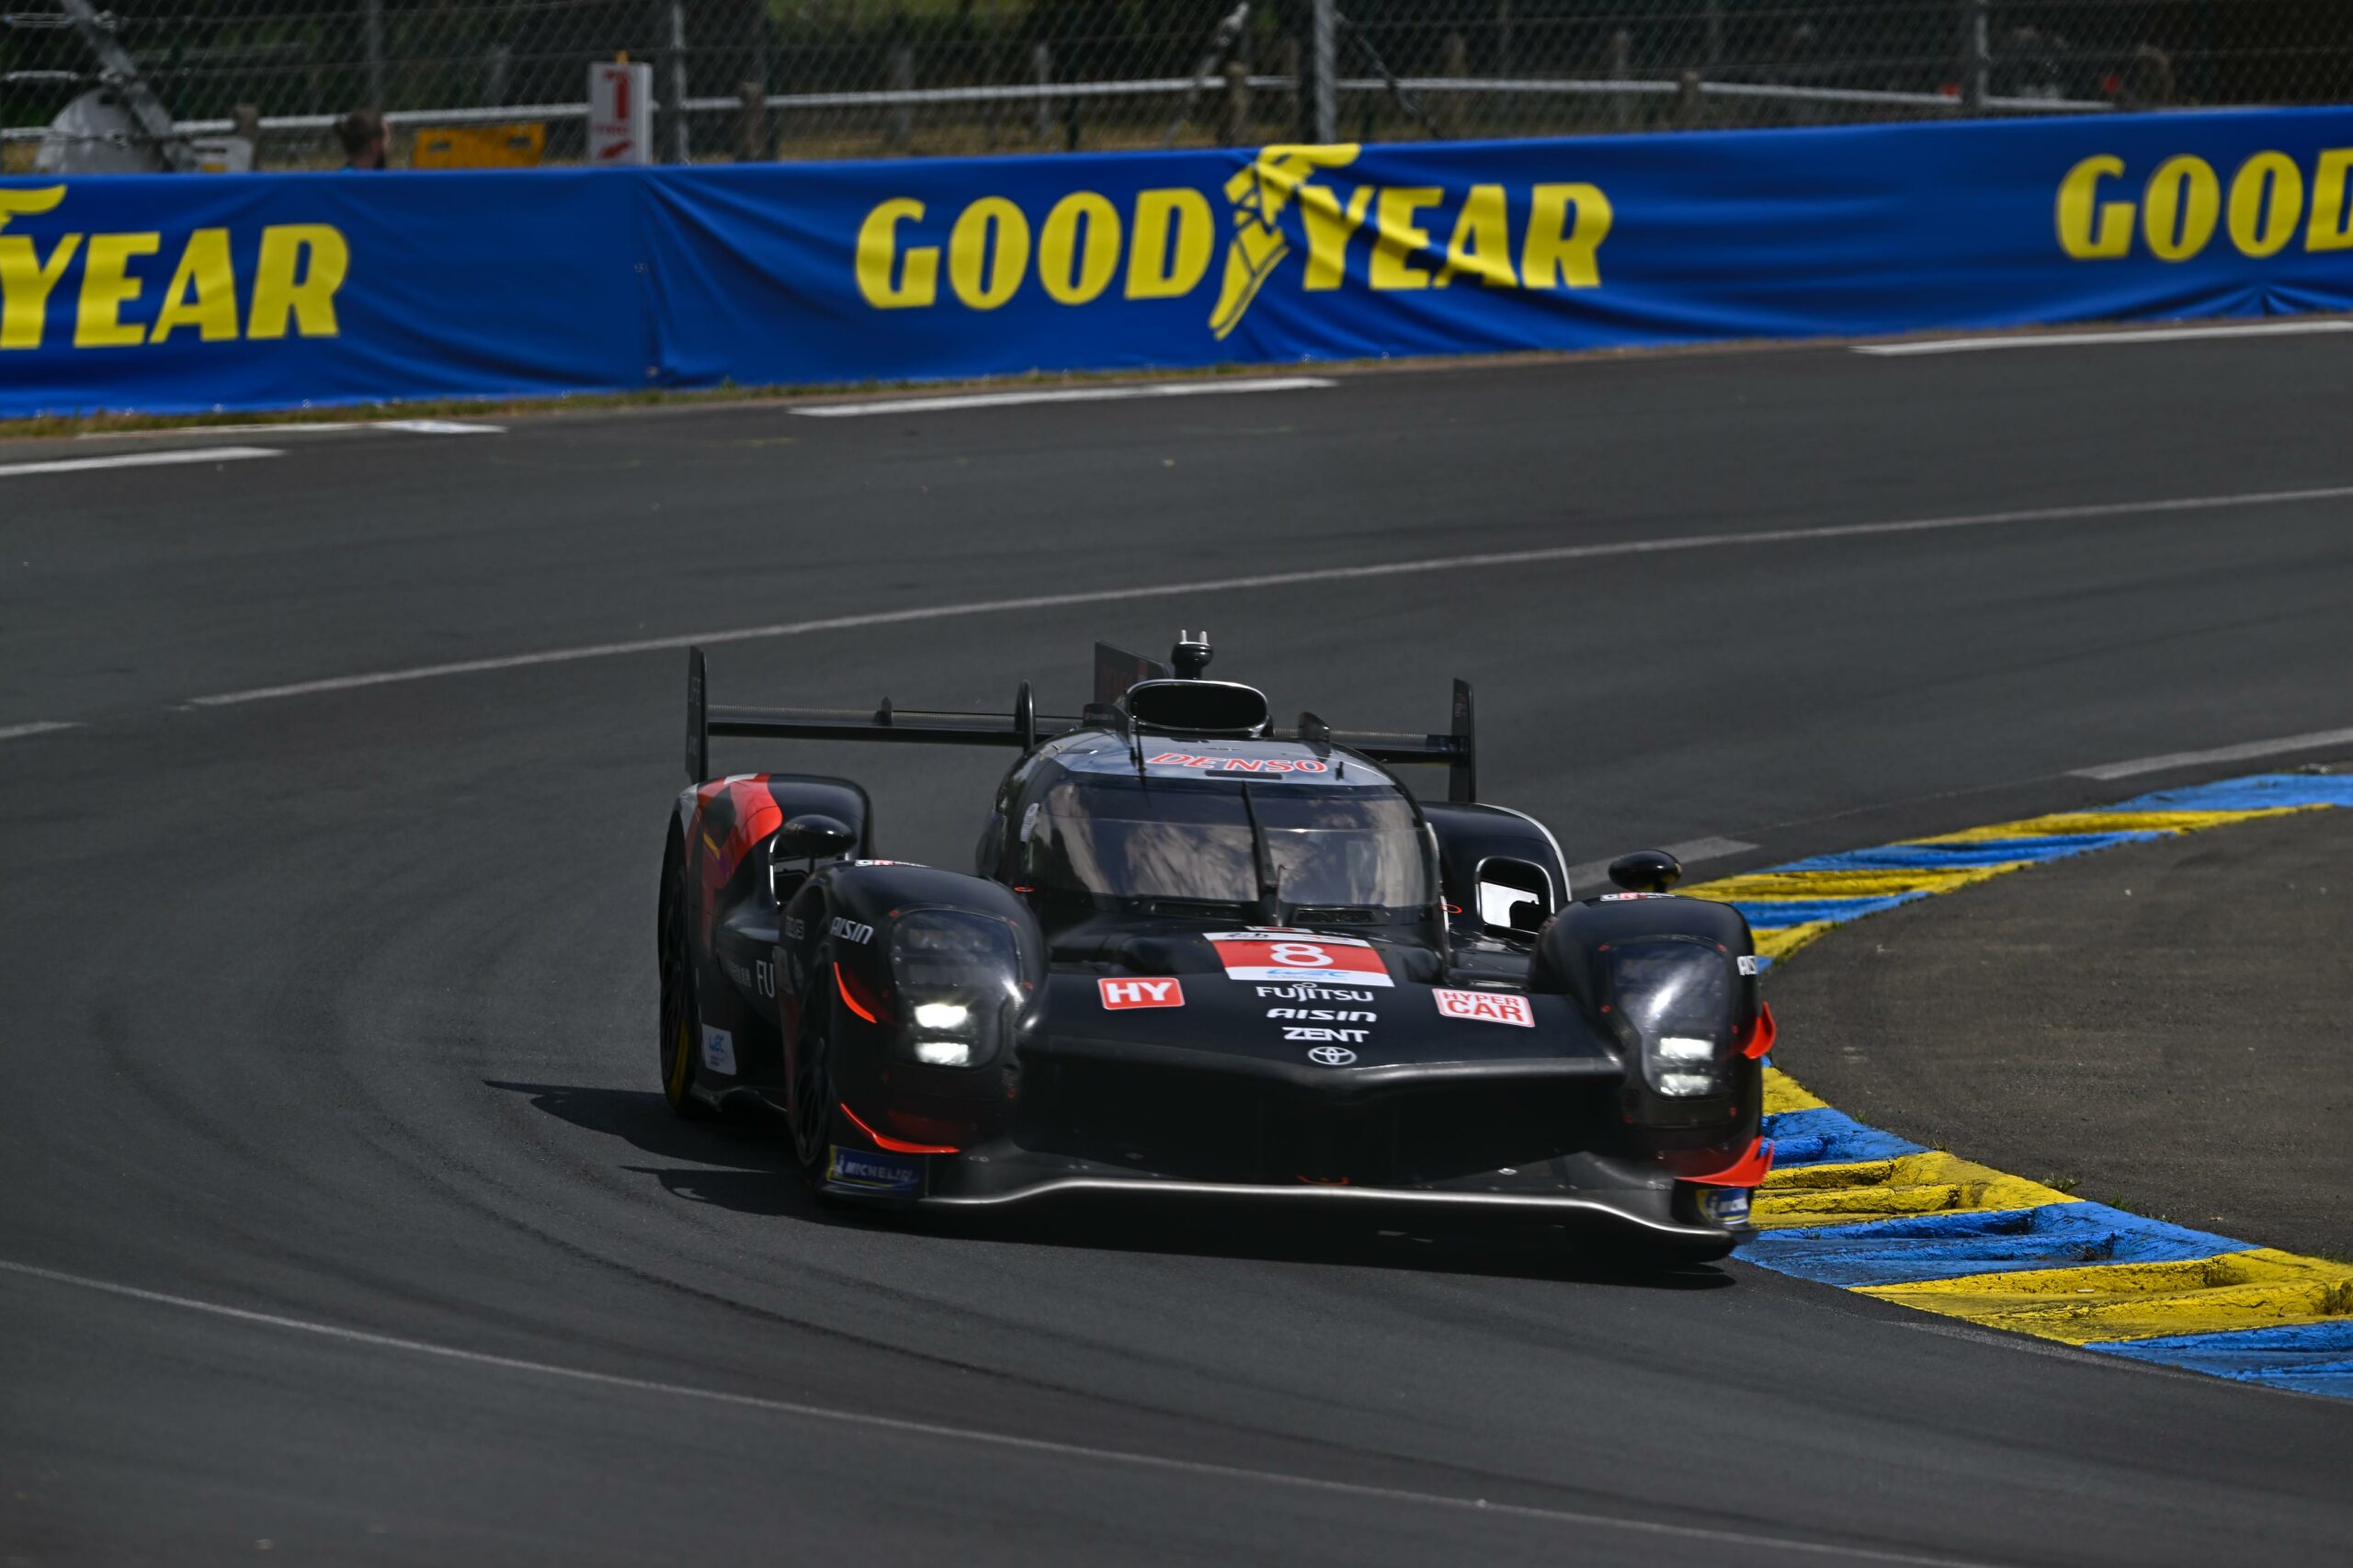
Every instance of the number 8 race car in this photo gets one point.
(1209, 960)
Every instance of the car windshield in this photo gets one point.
(1128, 838)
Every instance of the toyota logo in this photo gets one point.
(1331, 1056)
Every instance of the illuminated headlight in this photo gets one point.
(944, 1053)
(1683, 1067)
(959, 976)
(1673, 1002)
(941, 1015)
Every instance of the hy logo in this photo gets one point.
(1260, 194)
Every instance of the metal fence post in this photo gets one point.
(902, 80)
(1327, 72)
(681, 143)
(1041, 72)
(1975, 84)
(1237, 104)
(751, 123)
(373, 25)
(1621, 48)
(1457, 66)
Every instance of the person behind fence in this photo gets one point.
(365, 139)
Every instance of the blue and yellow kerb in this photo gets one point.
(1851, 1205)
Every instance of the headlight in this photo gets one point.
(1674, 999)
(959, 979)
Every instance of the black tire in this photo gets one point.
(816, 1115)
(681, 1019)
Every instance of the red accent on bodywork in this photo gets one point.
(896, 1145)
(850, 998)
(730, 815)
(1762, 1035)
(1747, 1171)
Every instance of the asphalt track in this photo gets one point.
(2187, 1061)
(328, 1017)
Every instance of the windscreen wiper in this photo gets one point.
(1270, 887)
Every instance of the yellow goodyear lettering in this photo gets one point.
(26, 278)
(986, 274)
(300, 269)
(2266, 196)
(1557, 250)
(1329, 228)
(878, 259)
(1161, 246)
(2332, 224)
(1169, 250)
(202, 293)
(1397, 238)
(1481, 245)
(107, 287)
(2182, 204)
(2178, 209)
(2079, 199)
(1071, 270)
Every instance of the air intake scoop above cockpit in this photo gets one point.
(1198, 708)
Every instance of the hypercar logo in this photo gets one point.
(1260, 194)
(1487, 1006)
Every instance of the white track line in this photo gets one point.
(37, 727)
(2086, 339)
(318, 427)
(2313, 742)
(982, 1437)
(140, 459)
(1268, 580)
(1115, 393)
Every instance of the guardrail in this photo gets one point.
(1171, 86)
(179, 295)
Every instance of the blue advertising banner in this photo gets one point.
(186, 294)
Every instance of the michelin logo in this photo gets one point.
(861, 1171)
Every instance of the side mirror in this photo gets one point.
(1647, 871)
(813, 835)
(1514, 895)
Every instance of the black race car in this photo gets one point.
(1207, 959)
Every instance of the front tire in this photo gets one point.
(681, 1022)
(816, 1113)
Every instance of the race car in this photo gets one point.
(1207, 959)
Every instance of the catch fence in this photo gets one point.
(801, 79)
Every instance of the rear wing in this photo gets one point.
(1457, 750)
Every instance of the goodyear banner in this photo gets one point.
(189, 294)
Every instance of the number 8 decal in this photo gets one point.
(1301, 955)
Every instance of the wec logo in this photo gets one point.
(288, 282)
(1537, 236)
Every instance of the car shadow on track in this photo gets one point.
(743, 1163)
(733, 1161)
(1523, 1252)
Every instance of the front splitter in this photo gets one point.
(1696, 1241)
